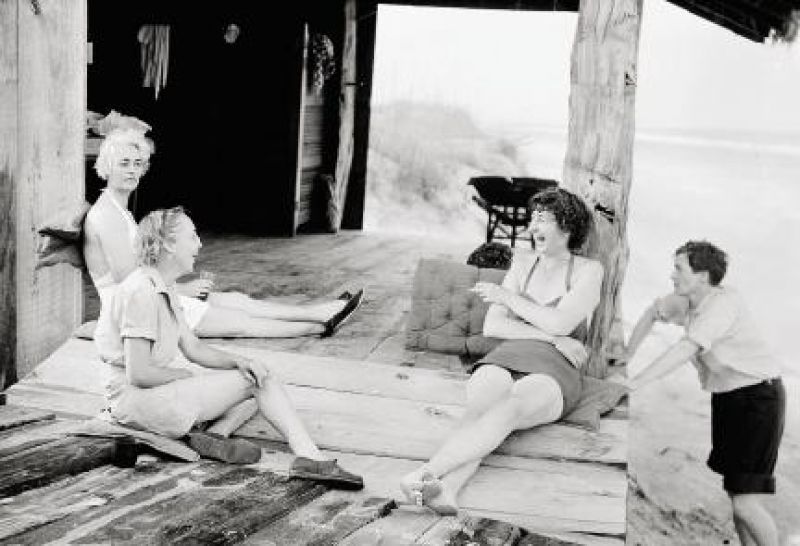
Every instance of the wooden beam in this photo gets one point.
(12, 417)
(8, 180)
(347, 93)
(49, 462)
(365, 56)
(599, 158)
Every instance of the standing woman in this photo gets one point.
(541, 311)
(109, 232)
(144, 330)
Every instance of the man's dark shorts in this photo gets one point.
(746, 430)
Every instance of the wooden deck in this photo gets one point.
(375, 406)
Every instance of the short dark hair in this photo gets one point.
(572, 214)
(703, 256)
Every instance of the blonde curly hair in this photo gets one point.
(113, 145)
(157, 230)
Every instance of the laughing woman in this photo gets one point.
(142, 334)
(108, 248)
(533, 377)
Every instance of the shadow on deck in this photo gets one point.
(377, 407)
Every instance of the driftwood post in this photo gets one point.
(347, 100)
(598, 162)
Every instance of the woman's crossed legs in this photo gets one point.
(496, 406)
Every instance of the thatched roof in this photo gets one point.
(756, 20)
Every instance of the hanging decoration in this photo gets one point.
(154, 40)
(323, 61)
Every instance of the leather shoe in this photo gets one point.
(326, 472)
(228, 450)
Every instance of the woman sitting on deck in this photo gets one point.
(143, 332)
(110, 230)
(533, 377)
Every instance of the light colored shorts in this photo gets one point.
(157, 409)
(173, 408)
(193, 310)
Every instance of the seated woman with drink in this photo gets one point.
(142, 333)
(109, 232)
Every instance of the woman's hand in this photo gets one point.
(197, 288)
(255, 372)
(572, 349)
(491, 292)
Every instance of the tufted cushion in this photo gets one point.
(445, 316)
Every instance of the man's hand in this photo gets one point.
(491, 292)
(572, 349)
(255, 372)
(197, 288)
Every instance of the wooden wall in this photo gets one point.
(312, 153)
(599, 160)
(42, 105)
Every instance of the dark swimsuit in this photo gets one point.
(532, 356)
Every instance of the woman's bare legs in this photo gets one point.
(531, 401)
(486, 387)
(229, 322)
(234, 418)
(217, 392)
(316, 312)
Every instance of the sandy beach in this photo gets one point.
(740, 192)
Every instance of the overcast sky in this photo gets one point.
(514, 66)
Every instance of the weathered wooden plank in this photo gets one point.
(64, 402)
(31, 435)
(465, 530)
(402, 526)
(98, 427)
(13, 416)
(136, 491)
(325, 520)
(530, 493)
(76, 366)
(483, 529)
(348, 419)
(210, 515)
(85, 492)
(370, 424)
(49, 462)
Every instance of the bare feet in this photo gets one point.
(444, 503)
(420, 486)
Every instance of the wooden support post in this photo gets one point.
(344, 157)
(365, 54)
(43, 71)
(8, 173)
(599, 157)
